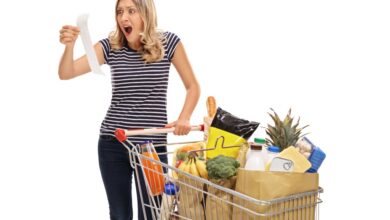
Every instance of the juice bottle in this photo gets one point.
(153, 171)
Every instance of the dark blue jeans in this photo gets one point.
(116, 174)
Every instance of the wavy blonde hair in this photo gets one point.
(152, 49)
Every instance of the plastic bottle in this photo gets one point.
(273, 151)
(168, 200)
(258, 141)
(153, 171)
(264, 151)
(255, 159)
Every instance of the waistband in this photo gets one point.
(107, 137)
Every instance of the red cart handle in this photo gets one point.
(121, 134)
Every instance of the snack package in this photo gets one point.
(228, 130)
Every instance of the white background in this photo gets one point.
(326, 60)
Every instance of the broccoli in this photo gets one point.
(222, 167)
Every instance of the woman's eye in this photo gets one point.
(131, 11)
(119, 12)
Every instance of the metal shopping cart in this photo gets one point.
(192, 197)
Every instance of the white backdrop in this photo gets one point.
(326, 60)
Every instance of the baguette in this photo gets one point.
(211, 106)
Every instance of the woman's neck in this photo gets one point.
(134, 46)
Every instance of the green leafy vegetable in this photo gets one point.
(222, 167)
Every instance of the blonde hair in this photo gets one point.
(152, 49)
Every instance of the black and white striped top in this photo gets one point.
(139, 89)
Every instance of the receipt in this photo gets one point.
(82, 21)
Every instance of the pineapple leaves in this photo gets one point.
(283, 133)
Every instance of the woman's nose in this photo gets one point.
(124, 17)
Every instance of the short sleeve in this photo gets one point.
(106, 48)
(170, 44)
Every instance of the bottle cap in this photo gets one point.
(171, 189)
(274, 149)
(260, 140)
(256, 146)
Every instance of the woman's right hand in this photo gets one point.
(69, 34)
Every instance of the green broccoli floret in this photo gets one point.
(222, 167)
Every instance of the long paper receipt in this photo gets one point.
(82, 23)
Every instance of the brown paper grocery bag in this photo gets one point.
(190, 198)
(271, 185)
(241, 157)
(218, 202)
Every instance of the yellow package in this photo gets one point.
(228, 130)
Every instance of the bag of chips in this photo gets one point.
(228, 130)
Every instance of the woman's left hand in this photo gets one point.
(182, 127)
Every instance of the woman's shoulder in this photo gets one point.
(170, 37)
(105, 41)
(168, 33)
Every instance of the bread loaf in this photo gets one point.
(211, 106)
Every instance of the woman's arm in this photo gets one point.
(69, 68)
(183, 67)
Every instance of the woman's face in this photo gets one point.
(130, 22)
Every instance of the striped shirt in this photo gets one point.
(139, 89)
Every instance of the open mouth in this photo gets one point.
(128, 30)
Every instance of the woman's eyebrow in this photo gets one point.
(126, 7)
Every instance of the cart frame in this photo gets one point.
(300, 206)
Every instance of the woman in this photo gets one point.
(139, 58)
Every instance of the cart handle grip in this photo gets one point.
(121, 134)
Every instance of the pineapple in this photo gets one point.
(284, 133)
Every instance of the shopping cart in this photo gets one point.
(192, 197)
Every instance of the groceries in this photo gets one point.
(300, 163)
(272, 152)
(305, 147)
(222, 186)
(289, 160)
(211, 187)
(189, 158)
(255, 158)
(228, 136)
(283, 133)
(222, 171)
(168, 200)
(281, 165)
(222, 196)
(153, 171)
(222, 167)
(195, 166)
(316, 158)
(211, 106)
(228, 130)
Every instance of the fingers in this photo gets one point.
(69, 34)
(182, 128)
(70, 27)
(170, 125)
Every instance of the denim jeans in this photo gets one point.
(117, 174)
